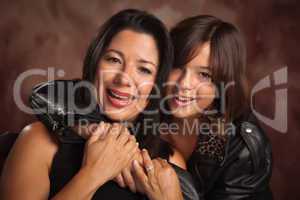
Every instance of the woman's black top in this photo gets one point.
(67, 162)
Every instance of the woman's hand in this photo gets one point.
(157, 178)
(105, 157)
(126, 179)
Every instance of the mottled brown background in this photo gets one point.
(56, 33)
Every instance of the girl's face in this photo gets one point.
(126, 74)
(190, 89)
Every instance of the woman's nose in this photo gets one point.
(124, 76)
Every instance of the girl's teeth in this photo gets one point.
(184, 99)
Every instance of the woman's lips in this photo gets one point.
(118, 99)
(182, 100)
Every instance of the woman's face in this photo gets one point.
(190, 89)
(126, 74)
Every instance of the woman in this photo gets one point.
(131, 44)
(222, 143)
(226, 151)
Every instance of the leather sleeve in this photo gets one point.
(246, 175)
(55, 105)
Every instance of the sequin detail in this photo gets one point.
(212, 146)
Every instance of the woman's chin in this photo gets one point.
(117, 114)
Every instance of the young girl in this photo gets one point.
(225, 149)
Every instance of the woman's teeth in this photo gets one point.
(118, 99)
(112, 93)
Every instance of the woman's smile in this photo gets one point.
(119, 98)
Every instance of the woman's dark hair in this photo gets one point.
(227, 59)
(142, 22)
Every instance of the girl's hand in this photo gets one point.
(105, 157)
(157, 178)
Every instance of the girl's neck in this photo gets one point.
(184, 139)
(188, 126)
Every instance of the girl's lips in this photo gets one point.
(117, 98)
(183, 101)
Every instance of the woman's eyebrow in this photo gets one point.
(115, 51)
(147, 62)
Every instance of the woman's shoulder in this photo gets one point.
(37, 133)
(36, 140)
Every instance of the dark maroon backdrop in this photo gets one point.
(55, 33)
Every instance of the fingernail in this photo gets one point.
(135, 163)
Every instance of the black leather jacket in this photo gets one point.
(242, 172)
(56, 113)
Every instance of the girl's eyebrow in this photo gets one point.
(207, 68)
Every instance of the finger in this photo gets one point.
(124, 136)
(131, 148)
(140, 176)
(90, 129)
(164, 163)
(114, 131)
(99, 129)
(157, 163)
(106, 129)
(131, 145)
(119, 179)
(131, 139)
(96, 135)
(161, 162)
(93, 138)
(138, 156)
(80, 130)
(148, 165)
(157, 168)
(128, 179)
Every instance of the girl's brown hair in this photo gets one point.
(227, 59)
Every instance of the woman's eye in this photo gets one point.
(145, 70)
(114, 60)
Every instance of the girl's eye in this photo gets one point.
(145, 70)
(204, 75)
(114, 60)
